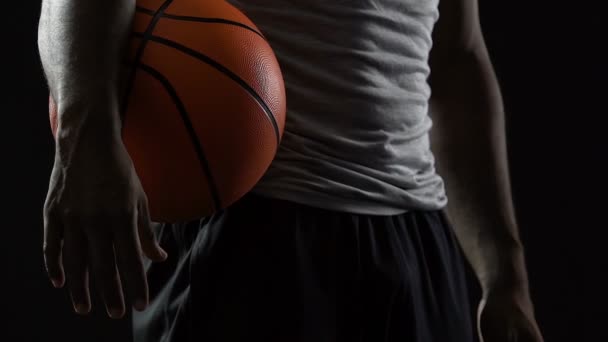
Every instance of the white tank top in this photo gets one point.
(357, 130)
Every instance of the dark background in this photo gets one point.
(551, 69)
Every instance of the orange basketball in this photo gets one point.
(204, 106)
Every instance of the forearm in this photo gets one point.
(468, 140)
(81, 46)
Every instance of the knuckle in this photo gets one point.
(97, 215)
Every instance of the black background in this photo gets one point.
(552, 75)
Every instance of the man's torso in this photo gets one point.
(356, 136)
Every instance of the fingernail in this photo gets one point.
(115, 313)
(81, 309)
(164, 254)
(56, 283)
(140, 304)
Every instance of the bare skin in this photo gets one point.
(469, 143)
(96, 217)
(96, 214)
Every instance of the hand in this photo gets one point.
(96, 220)
(507, 317)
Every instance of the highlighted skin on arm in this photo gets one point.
(81, 45)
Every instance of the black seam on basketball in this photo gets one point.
(138, 55)
(202, 20)
(144, 10)
(221, 68)
(204, 162)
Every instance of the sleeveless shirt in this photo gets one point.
(357, 130)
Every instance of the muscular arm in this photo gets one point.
(468, 140)
(96, 216)
(81, 44)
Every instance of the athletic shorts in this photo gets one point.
(273, 270)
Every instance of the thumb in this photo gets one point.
(147, 238)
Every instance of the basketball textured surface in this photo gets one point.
(203, 106)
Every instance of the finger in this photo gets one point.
(130, 264)
(105, 272)
(147, 239)
(75, 264)
(51, 246)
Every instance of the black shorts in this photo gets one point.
(271, 270)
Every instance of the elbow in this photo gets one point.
(468, 66)
(448, 60)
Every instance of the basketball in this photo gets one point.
(203, 106)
